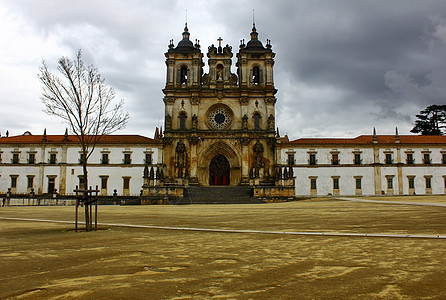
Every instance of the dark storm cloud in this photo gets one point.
(342, 67)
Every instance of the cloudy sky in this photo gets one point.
(342, 66)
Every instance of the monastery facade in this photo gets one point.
(219, 130)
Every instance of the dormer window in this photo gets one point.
(183, 75)
(256, 76)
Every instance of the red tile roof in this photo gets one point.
(72, 139)
(368, 139)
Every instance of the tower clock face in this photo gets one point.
(219, 118)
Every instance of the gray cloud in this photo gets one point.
(342, 67)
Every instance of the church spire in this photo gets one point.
(254, 34)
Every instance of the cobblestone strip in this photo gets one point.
(391, 202)
(311, 233)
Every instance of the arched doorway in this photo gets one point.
(219, 170)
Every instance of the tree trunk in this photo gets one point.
(85, 188)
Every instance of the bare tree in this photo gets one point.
(80, 96)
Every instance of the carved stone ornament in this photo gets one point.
(193, 140)
(168, 122)
(270, 100)
(244, 141)
(169, 100)
(167, 140)
(195, 100)
(244, 100)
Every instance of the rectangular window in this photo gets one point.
(104, 183)
(148, 158)
(290, 159)
(182, 121)
(313, 183)
(334, 159)
(357, 159)
(410, 160)
(104, 159)
(443, 160)
(256, 122)
(81, 182)
(126, 183)
(428, 182)
(389, 159)
(32, 158)
(30, 182)
(390, 183)
(127, 159)
(411, 183)
(14, 182)
(312, 159)
(51, 185)
(426, 158)
(15, 158)
(81, 158)
(336, 183)
(52, 158)
(358, 183)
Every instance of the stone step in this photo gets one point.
(218, 195)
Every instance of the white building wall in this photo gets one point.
(347, 171)
(42, 170)
(325, 176)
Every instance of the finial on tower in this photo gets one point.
(375, 137)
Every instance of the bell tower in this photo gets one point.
(255, 63)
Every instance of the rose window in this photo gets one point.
(219, 118)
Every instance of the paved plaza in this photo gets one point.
(314, 249)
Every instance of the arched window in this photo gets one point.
(182, 121)
(183, 75)
(256, 75)
(256, 121)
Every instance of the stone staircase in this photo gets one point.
(218, 195)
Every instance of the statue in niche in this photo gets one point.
(258, 151)
(219, 75)
(245, 122)
(194, 122)
(233, 79)
(205, 79)
(180, 158)
(168, 122)
(271, 122)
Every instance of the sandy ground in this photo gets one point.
(40, 260)
(419, 199)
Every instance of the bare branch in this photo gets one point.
(80, 97)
